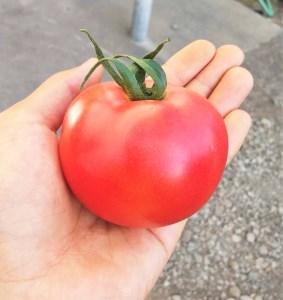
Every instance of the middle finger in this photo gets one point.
(188, 62)
(226, 57)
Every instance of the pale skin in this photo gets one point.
(53, 248)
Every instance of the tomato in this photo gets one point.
(141, 156)
(145, 163)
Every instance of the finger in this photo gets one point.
(48, 103)
(238, 123)
(188, 62)
(232, 90)
(226, 57)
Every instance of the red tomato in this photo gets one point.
(145, 163)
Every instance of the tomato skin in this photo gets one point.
(145, 163)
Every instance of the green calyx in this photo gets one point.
(132, 78)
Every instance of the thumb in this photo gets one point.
(49, 102)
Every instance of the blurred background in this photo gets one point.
(232, 248)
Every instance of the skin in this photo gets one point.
(53, 248)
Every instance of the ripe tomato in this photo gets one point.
(145, 163)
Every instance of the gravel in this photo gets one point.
(236, 238)
(244, 297)
(263, 250)
(176, 297)
(234, 291)
(250, 237)
(232, 248)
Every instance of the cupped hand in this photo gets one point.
(53, 248)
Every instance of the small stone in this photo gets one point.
(175, 26)
(234, 291)
(263, 250)
(274, 265)
(236, 238)
(196, 229)
(187, 236)
(243, 277)
(251, 194)
(205, 277)
(176, 297)
(273, 209)
(198, 258)
(259, 263)
(166, 283)
(175, 272)
(250, 237)
(245, 297)
(188, 259)
(252, 276)
(211, 243)
(206, 261)
(191, 246)
(219, 210)
(258, 297)
(238, 230)
(256, 231)
(234, 265)
(266, 123)
(228, 203)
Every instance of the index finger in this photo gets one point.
(188, 62)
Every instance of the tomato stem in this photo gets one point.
(132, 78)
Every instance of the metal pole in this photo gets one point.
(141, 19)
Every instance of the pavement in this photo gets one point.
(232, 248)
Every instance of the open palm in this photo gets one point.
(53, 248)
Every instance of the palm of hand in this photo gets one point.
(65, 243)
(47, 239)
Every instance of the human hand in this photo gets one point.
(50, 246)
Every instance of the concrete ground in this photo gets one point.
(231, 249)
